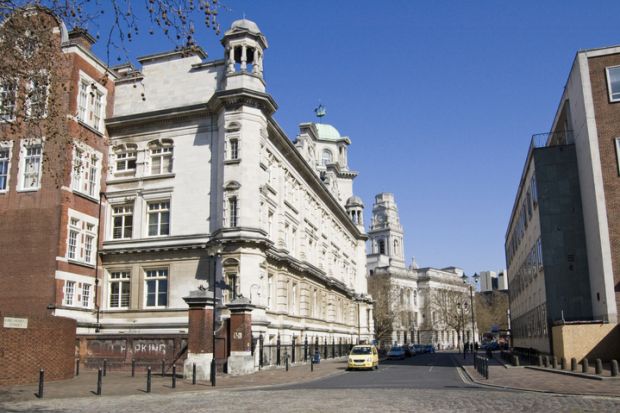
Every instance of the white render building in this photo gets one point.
(415, 293)
(203, 180)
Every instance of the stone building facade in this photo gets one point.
(563, 238)
(424, 305)
(204, 183)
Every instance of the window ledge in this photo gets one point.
(75, 308)
(83, 195)
(29, 189)
(90, 128)
(232, 161)
(80, 263)
(123, 180)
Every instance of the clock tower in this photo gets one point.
(385, 234)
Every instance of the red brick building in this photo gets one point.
(53, 152)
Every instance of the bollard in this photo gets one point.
(585, 366)
(598, 367)
(77, 367)
(286, 361)
(563, 363)
(99, 379)
(312, 364)
(41, 381)
(614, 368)
(174, 376)
(163, 368)
(540, 361)
(554, 362)
(194, 373)
(105, 366)
(546, 361)
(515, 361)
(148, 379)
(573, 364)
(213, 372)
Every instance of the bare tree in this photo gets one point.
(491, 308)
(447, 309)
(385, 295)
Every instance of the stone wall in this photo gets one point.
(46, 343)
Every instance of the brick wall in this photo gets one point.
(48, 343)
(608, 126)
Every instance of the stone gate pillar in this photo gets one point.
(240, 360)
(199, 334)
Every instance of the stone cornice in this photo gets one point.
(176, 114)
(236, 98)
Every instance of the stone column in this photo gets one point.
(240, 360)
(244, 58)
(231, 60)
(200, 334)
(255, 68)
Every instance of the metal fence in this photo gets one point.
(481, 364)
(276, 354)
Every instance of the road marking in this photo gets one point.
(431, 369)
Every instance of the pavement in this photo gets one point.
(120, 383)
(325, 375)
(538, 380)
(424, 383)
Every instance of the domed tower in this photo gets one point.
(355, 210)
(244, 44)
(385, 233)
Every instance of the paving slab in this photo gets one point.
(120, 383)
(538, 379)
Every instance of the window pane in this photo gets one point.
(153, 224)
(125, 297)
(614, 82)
(156, 165)
(128, 226)
(165, 217)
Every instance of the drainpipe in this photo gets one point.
(97, 306)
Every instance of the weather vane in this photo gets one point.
(320, 111)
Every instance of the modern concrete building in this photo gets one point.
(491, 280)
(415, 305)
(204, 183)
(563, 238)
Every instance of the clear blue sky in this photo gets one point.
(439, 99)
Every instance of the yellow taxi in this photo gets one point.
(364, 356)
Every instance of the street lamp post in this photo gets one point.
(471, 297)
(215, 251)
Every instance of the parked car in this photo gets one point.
(396, 353)
(430, 348)
(363, 357)
(407, 351)
(420, 348)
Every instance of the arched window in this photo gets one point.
(381, 245)
(396, 247)
(326, 157)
